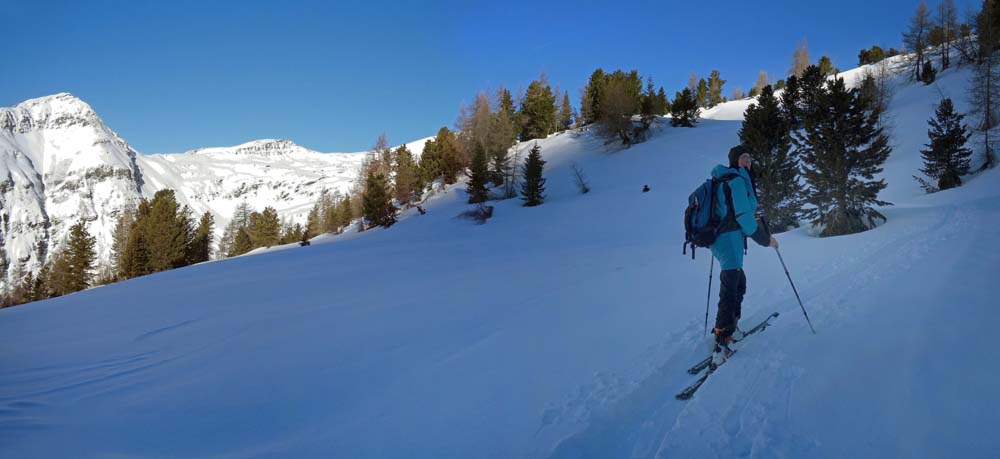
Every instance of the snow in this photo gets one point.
(557, 331)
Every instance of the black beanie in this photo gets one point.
(734, 155)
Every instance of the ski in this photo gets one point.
(689, 391)
(704, 363)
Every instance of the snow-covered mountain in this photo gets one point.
(558, 331)
(61, 163)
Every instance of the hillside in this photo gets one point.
(568, 336)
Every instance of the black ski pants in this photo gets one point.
(733, 285)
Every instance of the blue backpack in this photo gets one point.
(701, 225)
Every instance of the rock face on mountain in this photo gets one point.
(59, 163)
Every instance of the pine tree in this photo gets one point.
(766, 134)
(715, 84)
(565, 113)
(842, 149)
(313, 219)
(790, 103)
(430, 165)
(120, 238)
(408, 184)
(265, 228)
(826, 66)
(622, 100)
(538, 111)
(810, 85)
(478, 177)
(593, 94)
(947, 158)
(201, 245)
(166, 232)
(73, 268)
(684, 109)
(377, 205)
(241, 244)
(871, 56)
(135, 258)
(502, 137)
(701, 94)
(533, 182)
(928, 74)
(664, 103)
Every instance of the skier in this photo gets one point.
(730, 245)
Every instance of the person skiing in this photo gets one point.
(730, 245)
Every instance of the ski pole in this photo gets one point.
(711, 268)
(789, 276)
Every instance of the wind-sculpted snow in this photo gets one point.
(561, 331)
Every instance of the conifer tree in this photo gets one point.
(478, 178)
(565, 113)
(766, 134)
(377, 204)
(344, 212)
(533, 182)
(701, 94)
(622, 100)
(166, 232)
(265, 228)
(684, 109)
(810, 85)
(408, 184)
(120, 239)
(826, 66)
(842, 149)
(790, 103)
(593, 94)
(430, 165)
(201, 244)
(241, 244)
(871, 56)
(715, 84)
(73, 267)
(503, 135)
(135, 258)
(946, 158)
(538, 111)
(928, 74)
(664, 103)
(313, 220)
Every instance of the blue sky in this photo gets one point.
(332, 76)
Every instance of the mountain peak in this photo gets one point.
(261, 147)
(57, 110)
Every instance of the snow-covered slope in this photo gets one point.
(556, 331)
(60, 163)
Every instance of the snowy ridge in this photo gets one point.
(560, 331)
(59, 162)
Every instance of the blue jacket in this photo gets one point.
(728, 247)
